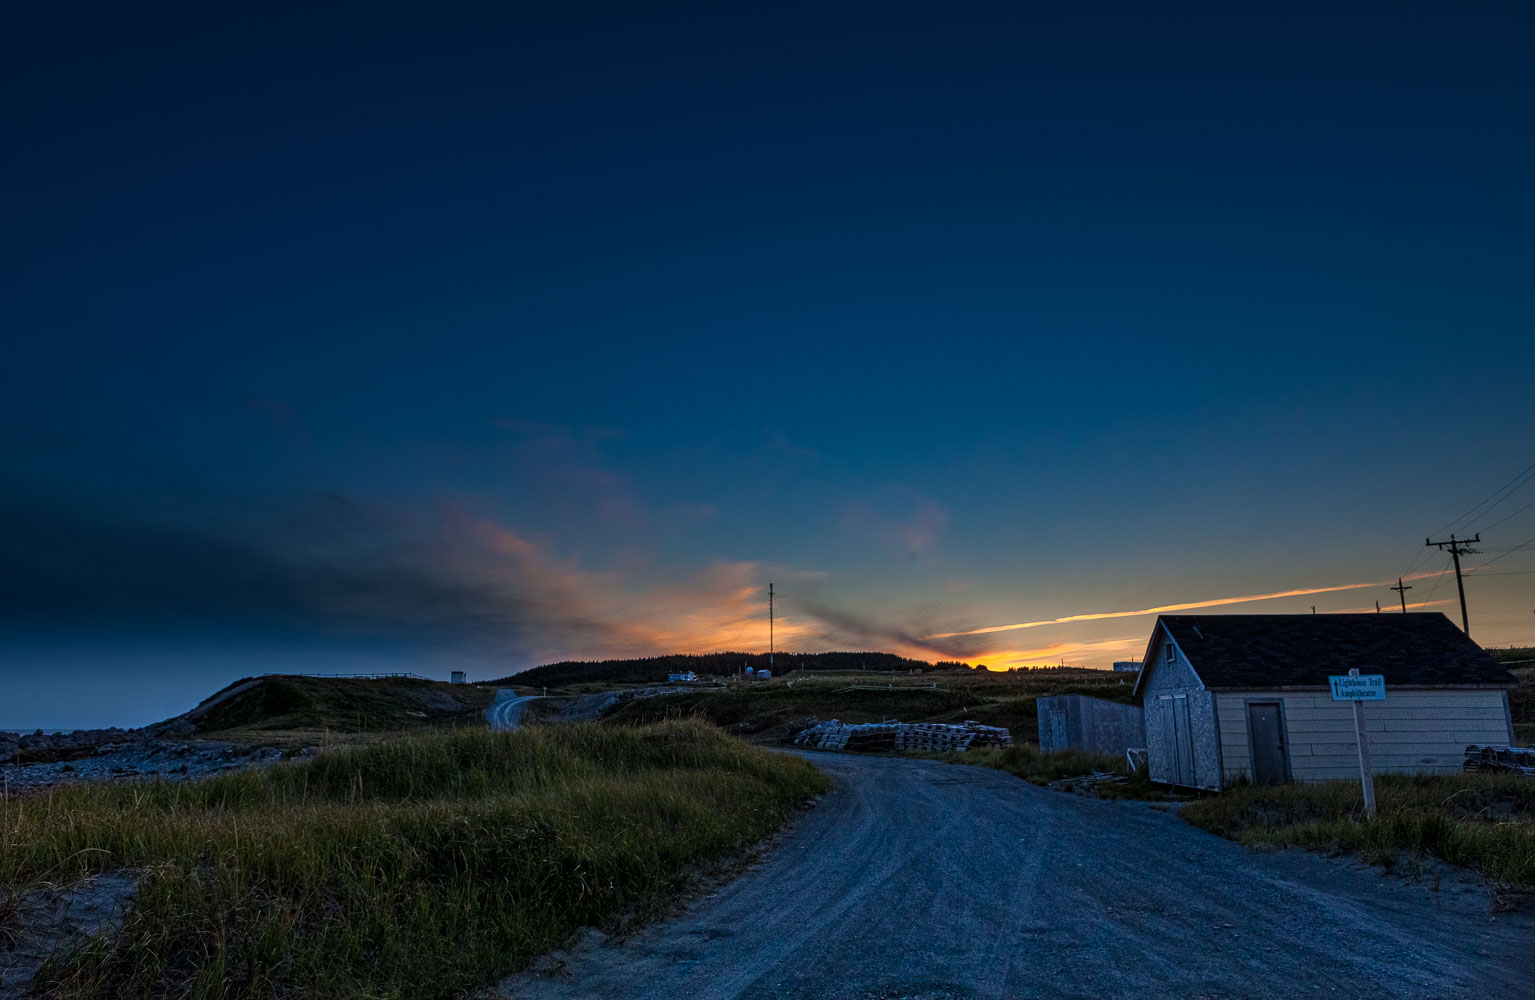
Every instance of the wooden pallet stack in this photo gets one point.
(876, 736)
(837, 735)
(941, 737)
(1517, 760)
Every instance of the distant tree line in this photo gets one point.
(655, 668)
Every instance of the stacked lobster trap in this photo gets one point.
(878, 736)
(1516, 760)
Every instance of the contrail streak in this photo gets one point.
(1212, 603)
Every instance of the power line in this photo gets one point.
(1516, 513)
(1526, 471)
(1510, 552)
(1522, 476)
(1439, 579)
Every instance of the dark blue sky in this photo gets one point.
(412, 336)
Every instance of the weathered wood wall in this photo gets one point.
(1422, 731)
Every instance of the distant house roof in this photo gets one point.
(1278, 651)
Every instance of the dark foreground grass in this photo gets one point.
(1484, 822)
(1027, 762)
(422, 867)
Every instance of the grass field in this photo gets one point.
(777, 709)
(418, 867)
(1485, 822)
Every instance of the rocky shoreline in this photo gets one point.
(168, 750)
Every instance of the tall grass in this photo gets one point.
(421, 867)
(1027, 762)
(1484, 822)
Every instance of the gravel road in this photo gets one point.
(914, 879)
(506, 711)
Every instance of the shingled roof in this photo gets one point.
(1273, 651)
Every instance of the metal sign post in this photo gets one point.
(1359, 689)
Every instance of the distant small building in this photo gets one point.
(1127, 666)
(685, 676)
(748, 673)
(1077, 722)
(764, 674)
(1246, 697)
(458, 677)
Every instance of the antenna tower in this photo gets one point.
(770, 626)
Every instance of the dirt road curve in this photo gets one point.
(506, 711)
(916, 879)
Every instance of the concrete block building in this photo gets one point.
(1231, 697)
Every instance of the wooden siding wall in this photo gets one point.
(1172, 680)
(1411, 731)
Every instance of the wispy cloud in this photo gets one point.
(1388, 608)
(1213, 602)
(900, 518)
(778, 442)
(334, 563)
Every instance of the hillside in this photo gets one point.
(290, 703)
(650, 670)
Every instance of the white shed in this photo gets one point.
(1231, 697)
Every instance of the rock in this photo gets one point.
(172, 729)
(52, 918)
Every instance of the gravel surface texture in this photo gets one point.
(506, 711)
(914, 879)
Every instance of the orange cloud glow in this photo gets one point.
(1003, 659)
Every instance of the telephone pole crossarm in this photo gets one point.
(1458, 547)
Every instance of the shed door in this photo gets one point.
(1057, 729)
(1183, 739)
(1267, 734)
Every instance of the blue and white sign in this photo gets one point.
(1365, 687)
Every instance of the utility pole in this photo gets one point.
(770, 626)
(1458, 548)
(1377, 607)
(1401, 590)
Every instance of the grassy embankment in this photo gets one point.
(289, 709)
(1484, 822)
(418, 867)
